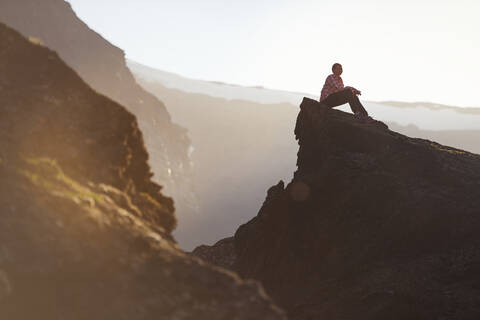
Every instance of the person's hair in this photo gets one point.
(336, 64)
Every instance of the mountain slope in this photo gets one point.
(84, 231)
(102, 65)
(374, 225)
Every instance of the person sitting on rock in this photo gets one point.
(334, 94)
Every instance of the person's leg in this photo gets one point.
(358, 105)
(342, 97)
(336, 99)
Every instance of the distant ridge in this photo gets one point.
(431, 106)
(219, 89)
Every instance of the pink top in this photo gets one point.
(332, 84)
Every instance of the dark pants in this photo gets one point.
(342, 97)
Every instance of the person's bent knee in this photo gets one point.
(348, 93)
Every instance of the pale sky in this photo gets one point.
(407, 50)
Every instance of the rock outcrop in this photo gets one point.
(54, 24)
(84, 232)
(222, 254)
(374, 225)
(258, 146)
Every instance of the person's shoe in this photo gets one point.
(359, 116)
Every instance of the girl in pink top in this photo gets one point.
(334, 94)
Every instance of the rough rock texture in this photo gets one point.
(221, 254)
(84, 232)
(374, 225)
(54, 24)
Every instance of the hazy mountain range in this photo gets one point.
(215, 89)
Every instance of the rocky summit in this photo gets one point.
(374, 225)
(84, 231)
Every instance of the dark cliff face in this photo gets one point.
(103, 66)
(84, 232)
(374, 225)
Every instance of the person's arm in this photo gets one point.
(355, 91)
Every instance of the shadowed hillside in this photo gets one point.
(374, 225)
(102, 65)
(84, 231)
